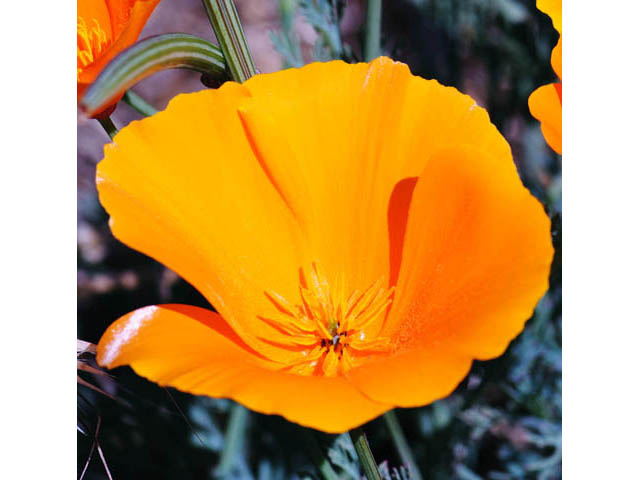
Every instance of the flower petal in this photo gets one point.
(545, 104)
(94, 15)
(553, 8)
(338, 123)
(194, 350)
(411, 378)
(184, 187)
(95, 10)
(127, 21)
(476, 257)
(336, 139)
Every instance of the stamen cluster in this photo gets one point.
(91, 43)
(327, 328)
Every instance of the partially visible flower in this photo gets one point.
(105, 28)
(362, 233)
(545, 103)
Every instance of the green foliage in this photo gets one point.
(343, 455)
(324, 16)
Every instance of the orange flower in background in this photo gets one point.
(362, 233)
(545, 103)
(105, 28)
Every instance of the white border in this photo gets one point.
(601, 172)
(38, 266)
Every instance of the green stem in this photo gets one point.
(365, 456)
(318, 457)
(146, 57)
(401, 444)
(372, 32)
(138, 103)
(233, 438)
(108, 126)
(226, 25)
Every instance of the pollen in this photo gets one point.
(92, 42)
(329, 329)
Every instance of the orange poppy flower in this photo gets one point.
(545, 103)
(362, 233)
(105, 28)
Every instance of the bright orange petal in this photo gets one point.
(194, 350)
(476, 257)
(127, 18)
(97, 10)
(336, 139)
(338, 123)
(545, 104)
(120, 12)
(94, 36)
(553, 8)
(412, 378)
(184, 187)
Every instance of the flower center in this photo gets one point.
(328, 329)
(92, 41)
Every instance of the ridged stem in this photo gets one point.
(372, 30)
(226, 25)
(146, 57)
(368, 463)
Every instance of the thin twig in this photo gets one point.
(108, 126)
(401, 444)
(86, 465)
(104, 462)
(96, 443)
(184, 417)
(83, 382)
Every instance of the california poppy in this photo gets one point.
(362, 233)
(105, 28)
(545, 103)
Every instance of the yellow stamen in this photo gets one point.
(92, 42)
(328, 329)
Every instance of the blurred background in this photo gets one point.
(502, 422)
